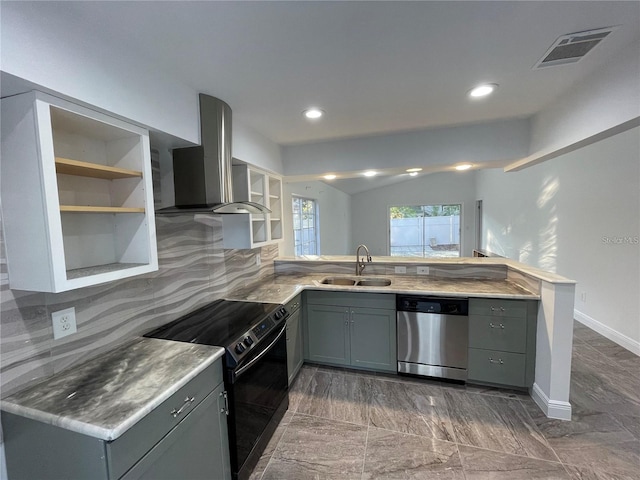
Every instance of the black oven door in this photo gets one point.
(258, 397)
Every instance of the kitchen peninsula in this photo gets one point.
(498, 278)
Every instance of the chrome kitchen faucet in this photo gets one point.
(360, 262)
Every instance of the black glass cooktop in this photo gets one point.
(218, 323)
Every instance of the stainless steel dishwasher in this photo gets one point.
(433, 336)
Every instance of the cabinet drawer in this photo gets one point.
(294, 304)
(126, 450)
(348, 299)
(492, 366)
(507, 334)
(498, 307)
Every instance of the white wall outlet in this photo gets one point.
(583, 297)
(64, 322)
(401, 269)
(423, 270)
(258, 259)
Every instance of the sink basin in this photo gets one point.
(374, 282)
(363, 282)
(338, 281)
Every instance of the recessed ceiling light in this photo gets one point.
(413, 174)
(464, 166)
(370, 173)
(414, 170)
(483, 90)
(313, 113)
(330, 176)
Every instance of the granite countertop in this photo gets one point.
(105, 396)
(282, 288)
(472, 261)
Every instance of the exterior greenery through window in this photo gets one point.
(305, 226)
(424, 230)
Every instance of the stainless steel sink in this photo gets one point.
(363, 282)
(374, 282)
(338, 281)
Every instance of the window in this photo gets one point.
(424, 230)
(305, 226)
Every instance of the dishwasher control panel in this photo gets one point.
(425, 304)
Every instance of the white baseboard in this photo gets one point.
(551, 408)
(622, 340)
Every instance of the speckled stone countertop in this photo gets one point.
(282, 288)
(105, 396)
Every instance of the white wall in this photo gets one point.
(557, 216)
(500, 141)
(91, 71)
(334, 208)
(369, 210)
(603, 104)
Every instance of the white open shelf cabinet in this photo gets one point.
(77, 195)
(254, 230)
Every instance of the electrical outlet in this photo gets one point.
(583, 297)
(401, 270)
(258, 259)
(64, 322)
(423, 270)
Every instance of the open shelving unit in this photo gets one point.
(88, 217)
(254, 230)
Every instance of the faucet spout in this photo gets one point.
(360, 261)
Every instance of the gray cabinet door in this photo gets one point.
(195, 449)
(506, 334)
(294, 345)
(327, 334)
(373, 338)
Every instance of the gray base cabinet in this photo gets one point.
(158, 447)
(502, 341)
(351, 329)
(295, 357)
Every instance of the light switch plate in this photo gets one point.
(64, 322)
(423, 270)
(401, 270)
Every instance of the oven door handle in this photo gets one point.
(244, 368)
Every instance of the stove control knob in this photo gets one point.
(240, 348)
(248, 341)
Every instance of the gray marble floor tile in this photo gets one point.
(299, 386)
(392, 455)
(630, 423)
(260, 467)
(586, 428)
(584, 473)
(597, 384)
(479, 464)
(496, 423)
(337, 396)
(410, 408)
(318, 449)
(608, 460)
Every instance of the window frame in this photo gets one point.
(316, 224)
(442, 204)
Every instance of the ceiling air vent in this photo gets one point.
(572, 47)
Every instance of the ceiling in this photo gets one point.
(374, 67)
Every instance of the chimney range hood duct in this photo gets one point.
(202, 175)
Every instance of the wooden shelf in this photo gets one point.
(85, 169)
(87, 209)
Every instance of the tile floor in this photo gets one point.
(345, 424)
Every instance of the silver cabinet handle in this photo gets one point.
(495, 326)
(491, 360)
(225, 409)
(352, 320)
(187, 401)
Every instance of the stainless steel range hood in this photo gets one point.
(202, 175)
